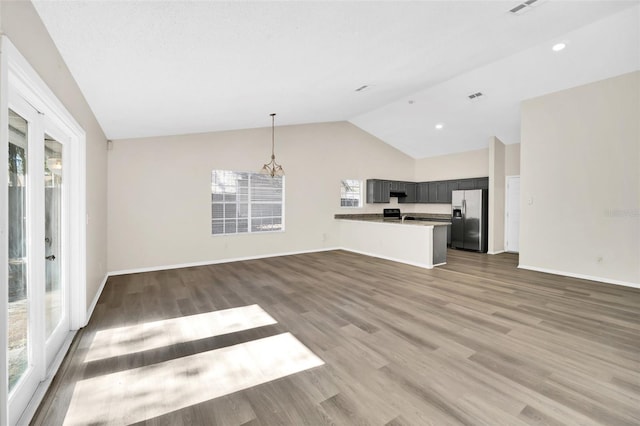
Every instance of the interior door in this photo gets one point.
(512, 231)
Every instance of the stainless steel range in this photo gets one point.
(391, 214)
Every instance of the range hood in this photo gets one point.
(397, 194)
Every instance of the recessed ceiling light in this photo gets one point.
(558, 47)
(439, 126)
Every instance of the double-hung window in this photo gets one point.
(350, 193)
(244, 202)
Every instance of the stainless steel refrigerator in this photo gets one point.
(469, 219)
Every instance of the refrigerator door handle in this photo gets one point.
(464, 208)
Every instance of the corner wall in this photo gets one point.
(580, 181)
(512, 160)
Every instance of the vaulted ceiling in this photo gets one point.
(150, 68)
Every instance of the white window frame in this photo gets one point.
(249, 203)
(360, 194)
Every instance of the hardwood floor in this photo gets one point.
(371, 342)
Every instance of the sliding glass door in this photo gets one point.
(38, 309)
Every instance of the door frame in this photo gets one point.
(16, 72)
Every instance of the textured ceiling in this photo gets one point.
(151, 68)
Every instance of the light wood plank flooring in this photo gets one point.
(344, 339)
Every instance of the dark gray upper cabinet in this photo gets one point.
(481, 183)
(433, 192)
(466, 184)
(394, 185)
(452, 185)
(441, 193)
(411, 189)
(438, 192)
(475, 183)
(378, 191)
(422, 192)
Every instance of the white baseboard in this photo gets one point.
(581, 276)
(393, 259)
(213, 262)
(496, 252)
(95, 299)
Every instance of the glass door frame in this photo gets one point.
(54, 341)
(17, 76)
(36, 367)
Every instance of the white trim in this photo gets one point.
(581, 276)
(496, 252)
(41, 391)
(95, 299)
(4, 223)
(214, 262)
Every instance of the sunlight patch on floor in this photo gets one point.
(147, 392)
(157, 334)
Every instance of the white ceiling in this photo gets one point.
(150, 68)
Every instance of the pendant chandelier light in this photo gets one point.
(272, 168)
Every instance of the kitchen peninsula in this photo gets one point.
(420, 243)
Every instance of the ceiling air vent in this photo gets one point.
(475, 96)
(525, 7)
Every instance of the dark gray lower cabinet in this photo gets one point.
(439, 245)
(378, 191)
